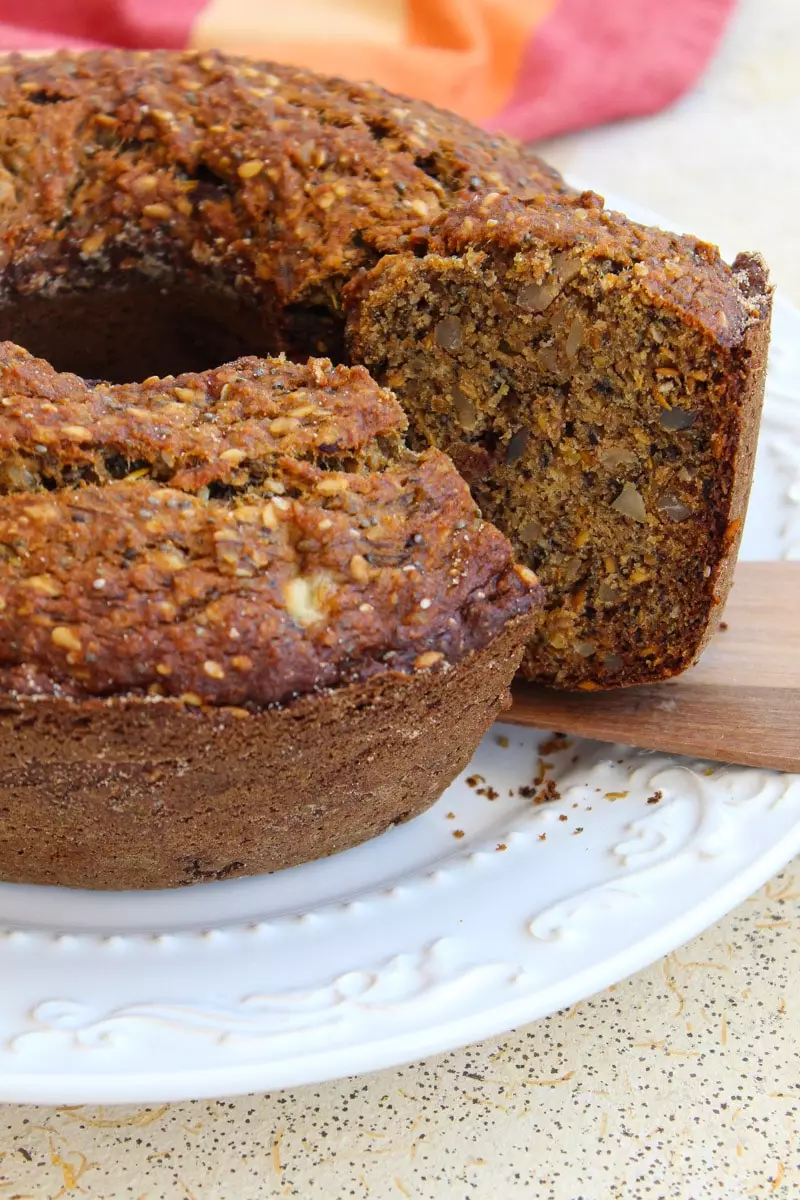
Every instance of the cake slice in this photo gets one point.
(598, 384)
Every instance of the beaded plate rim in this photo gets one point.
(418, 941)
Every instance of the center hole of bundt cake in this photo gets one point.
(124, 334)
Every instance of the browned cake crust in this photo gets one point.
(241, 625)
(243, 536)
(251, 191)
(236, 565)
(599, 385)
(136, 793)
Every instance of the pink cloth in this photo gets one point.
(533, 68)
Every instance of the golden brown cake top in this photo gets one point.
(244, 535)
(674, 271)
(270, 178)
(222, 427)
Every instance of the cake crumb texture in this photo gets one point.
(599, 385)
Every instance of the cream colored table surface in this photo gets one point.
(679, 1084)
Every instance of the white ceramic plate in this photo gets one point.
(488, 911)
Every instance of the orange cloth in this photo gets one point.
(460, 54)
(532, 67)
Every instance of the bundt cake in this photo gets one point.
(597, 383)
(242, 623)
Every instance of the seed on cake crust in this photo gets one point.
(77, 433)
(359, 568)
(428, 659)
(66, 638)
(251, 168)
(526, 575)
(45, 585)
(332, 486)
(158, 212)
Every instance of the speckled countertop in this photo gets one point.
(682, 1083)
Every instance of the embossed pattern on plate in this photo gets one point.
(488, 911)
